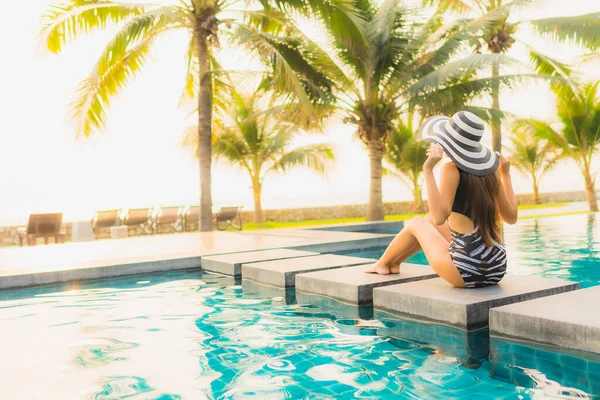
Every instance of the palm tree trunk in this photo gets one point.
(590, 190)
(496, 124)
(257, 190)
(204, 127)
(536, 194)
(375, 205)
(417, 197)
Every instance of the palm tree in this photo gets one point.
(404, 66)
(533, 156)
(579, 136)
(261, 27)
(405, 157)
(499, 35)
(258, 138)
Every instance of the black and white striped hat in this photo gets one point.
(460, 137)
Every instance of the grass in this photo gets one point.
(253, 226)
(536, 206)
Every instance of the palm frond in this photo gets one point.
(583, 30)
(137, 28)
(532, 154)
(458, 94)
(93, 96)
(66, 21)
(278, 24)
(122, 59)
(314, 156)
(231, 147)
(344, 20)
(543, 130)
(221, 81)
(290, 72)
(457, 6)
(192, 73)
(547, 66)
(456, 70)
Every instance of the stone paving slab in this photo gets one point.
(231, 264)
(353, 285)
(437, 300)
(283, 272)
(568, 320)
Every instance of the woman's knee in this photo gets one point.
(429, 218)
(415, 222)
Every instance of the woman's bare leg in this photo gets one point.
(403, 246)
(434, 245)
(444, 230)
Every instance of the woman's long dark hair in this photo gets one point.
(483, 201)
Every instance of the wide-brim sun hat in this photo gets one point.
(460, 137)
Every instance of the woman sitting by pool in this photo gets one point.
(462, 234)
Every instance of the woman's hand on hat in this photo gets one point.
(504, 164)
(435, 152)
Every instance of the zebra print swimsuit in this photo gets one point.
(479, 265)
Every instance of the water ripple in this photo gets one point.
(205, 337)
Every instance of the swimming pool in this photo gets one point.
(565, 247)
(194, 335)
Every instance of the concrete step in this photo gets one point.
(283, 272)
(568, 320)
(437, 300)
(341, 310)
(231, 264)
(353, 285)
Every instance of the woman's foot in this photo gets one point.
(395, 267)
(378, 268)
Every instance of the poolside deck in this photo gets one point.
(26, 266)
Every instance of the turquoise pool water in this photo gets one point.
(561, 247)
(201, 336)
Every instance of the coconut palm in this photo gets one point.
(259, 26)
(404, 157)
(258, 137)
(407, 66)
(533, 156)
(579, 136)
(498, 35)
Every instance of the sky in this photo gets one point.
(138, 159)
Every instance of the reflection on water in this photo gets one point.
(561, 247)
(201, 336)
(541, 367)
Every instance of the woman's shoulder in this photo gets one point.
(450, 167)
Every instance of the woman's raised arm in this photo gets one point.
(507, 202)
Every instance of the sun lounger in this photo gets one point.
(168, 218)
(228, 216)
(41, 226)
(139, 218)
(105, 219)
(191, 218)
(225, 217)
